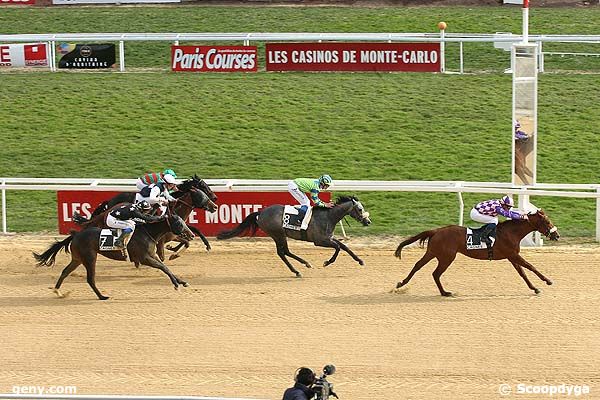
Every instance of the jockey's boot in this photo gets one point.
(485, 237)
(302, 212)
(122, 241)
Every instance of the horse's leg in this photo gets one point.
(160, 249)
(177, 253)
(418, 265)
(204, 240)
(154, 263)
(282, 250)
(347, 250)
(66, 271)
(176, 248)
(329, 242)
(522, 274)
(521, 261)
(90, 267)
(295, 257)
(443, 264)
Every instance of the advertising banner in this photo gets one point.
(21, 2)
(214, 58)
(86, 56)
(23, 55)
(233, 208)
(414, 57)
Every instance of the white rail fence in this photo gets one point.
(246, 38)
(9, 396)
(591, 191)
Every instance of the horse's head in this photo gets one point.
(200, 184)
(201, 200)
(540, 221)
(179, 227)
(357, 211)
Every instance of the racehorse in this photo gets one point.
(445, 242)
(85, 247)
(188, 200)
(129, 197)
(319, 231)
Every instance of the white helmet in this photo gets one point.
(506, 200)
(169, 178)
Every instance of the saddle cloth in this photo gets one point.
(291, 219)
(474, 241)
(107, 239)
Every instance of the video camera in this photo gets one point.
(322, 388)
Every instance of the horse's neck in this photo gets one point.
(339, 211)
(156, 230)
(516, 227)
(183, 208)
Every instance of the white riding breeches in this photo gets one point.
(484, 219)
(119, 224)
(139, 184)
(298, 194)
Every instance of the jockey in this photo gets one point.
(487, 213)
(519, 134)
(153, 177)
(125, 217)
(298, 187)
(158, 193)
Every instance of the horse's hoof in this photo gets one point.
(361, 262)
(399, 285)
(549, 282)
(208, 248)
(58, 293)
(173, 256)
(171, 248)
(307, 265)
(537, 291)
(447, 294)
(326, 263)
(184, 284)
(104, 298)
(298, 275)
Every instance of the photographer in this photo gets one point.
(305, 378)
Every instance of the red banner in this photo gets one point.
(23, 55)
(233, 208)
(214, 58)
(421, 57)
(24, 2)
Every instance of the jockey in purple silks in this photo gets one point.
(519, 134)
(487, 213)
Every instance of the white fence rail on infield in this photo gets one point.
(250, 185)
(9, 396)
(247, 37)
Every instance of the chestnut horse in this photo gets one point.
(445, 242)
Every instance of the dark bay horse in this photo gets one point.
(319, 231)
(187, 200)
(129, 197)
(84, 249)
(445, 242)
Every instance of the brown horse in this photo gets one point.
(445, 242)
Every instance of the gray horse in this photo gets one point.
(319, 231)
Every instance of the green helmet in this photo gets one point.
(325, 180)
(169, 171)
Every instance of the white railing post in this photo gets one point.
(461, 58)
(598, 216)
(4, 208)
(442, 51)
(121, 55)
(461, 205)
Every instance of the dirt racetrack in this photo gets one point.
(245, 324)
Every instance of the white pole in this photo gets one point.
(525, 21)
(4, 208)
(53, 55)
(343, 230)
(121, 56)
(461, 205)
(443, 51)
(597, 216)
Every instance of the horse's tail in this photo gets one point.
(248, 227)
(47, 258)
(423, 236)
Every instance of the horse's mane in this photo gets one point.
(345, 199)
